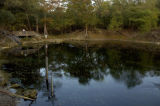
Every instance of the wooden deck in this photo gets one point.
(25, 33)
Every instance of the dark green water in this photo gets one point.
(80, 76)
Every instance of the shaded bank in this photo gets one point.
(97, 37)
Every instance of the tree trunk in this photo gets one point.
(86, 35)
(37, 26)
(45, 26)
(29, 25)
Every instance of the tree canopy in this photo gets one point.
(60, 16)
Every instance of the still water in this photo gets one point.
(68, 75)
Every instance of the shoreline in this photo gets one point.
(70, 40)
(96, 37)
(58, 41)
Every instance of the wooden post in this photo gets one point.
(46, 62)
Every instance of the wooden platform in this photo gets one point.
(25, 33)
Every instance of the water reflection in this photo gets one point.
(125, 65)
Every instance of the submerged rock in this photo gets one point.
(15, 86)
(19, 91)
(31, 93)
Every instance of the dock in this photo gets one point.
(22, 34)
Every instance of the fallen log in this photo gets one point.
(15, 95)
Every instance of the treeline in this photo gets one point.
(63, 16)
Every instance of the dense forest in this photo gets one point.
(63, 16)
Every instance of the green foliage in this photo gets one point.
(116, 21)
(6, 18)
(20, 21)
(140, 18)
(143, 20)
(102, 13)
(69, 15)
(81, 12)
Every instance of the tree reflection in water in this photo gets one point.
(126, 65)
